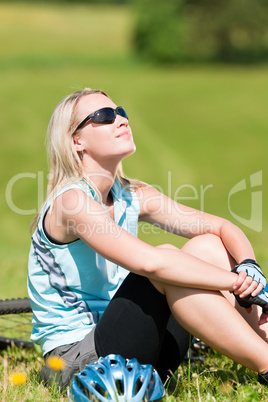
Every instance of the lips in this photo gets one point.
(124, 134)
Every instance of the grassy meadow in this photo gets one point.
(199, 131)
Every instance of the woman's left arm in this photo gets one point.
(160, 210)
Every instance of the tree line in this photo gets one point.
(178, 31)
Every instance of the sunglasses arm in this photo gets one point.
(84, 122)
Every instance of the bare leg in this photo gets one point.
(212, 318)
(211, 249)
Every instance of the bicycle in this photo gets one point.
(16, 327)
(15, 323)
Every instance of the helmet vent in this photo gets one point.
(81, 386)
(119, 387)
(100, 370)
(138, 385)
(99, 389)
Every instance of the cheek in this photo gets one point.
(99, 146)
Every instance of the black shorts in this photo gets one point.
(137, 323)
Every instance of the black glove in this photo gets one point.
(261, 300)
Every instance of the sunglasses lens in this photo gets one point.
(121, 111)
(104, 116)
(107, 115)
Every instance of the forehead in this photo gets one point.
(90, 103)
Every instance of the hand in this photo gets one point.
(248, 288)
(244, 285)
(252, 269)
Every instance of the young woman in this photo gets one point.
(97, 289)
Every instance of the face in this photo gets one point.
(110, 142)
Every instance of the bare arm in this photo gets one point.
(184, 221)
(179, 219)
(77, 215)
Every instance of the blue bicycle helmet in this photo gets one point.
(113, 378)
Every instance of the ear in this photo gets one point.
(78, 144)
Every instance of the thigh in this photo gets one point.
(134, 323)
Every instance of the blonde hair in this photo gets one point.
(65, 163)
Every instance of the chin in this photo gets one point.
(129, 152)
(133, 149)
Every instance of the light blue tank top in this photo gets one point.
(70, 285)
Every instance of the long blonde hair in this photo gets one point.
(65, 163)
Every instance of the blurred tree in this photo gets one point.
(159, 29)
(234, 30)
(202, 30)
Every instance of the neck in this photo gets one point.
(102, 175)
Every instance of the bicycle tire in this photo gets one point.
(15, 323)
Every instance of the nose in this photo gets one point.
(121, 121)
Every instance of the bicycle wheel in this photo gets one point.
(15, 323)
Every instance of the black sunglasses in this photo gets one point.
(106, 115)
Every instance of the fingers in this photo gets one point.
(252, 269)
(239, 281)
(253, 289)
(258, 289)
(244, 285)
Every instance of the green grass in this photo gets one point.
(198, 126)
(216, 378)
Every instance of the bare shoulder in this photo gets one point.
(70, 201)
(65, 206)
(73, 206)
(75, 203)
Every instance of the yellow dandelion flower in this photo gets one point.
(55, 363)
(18, 378)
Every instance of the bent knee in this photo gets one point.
(203, 243)
(209, 247)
